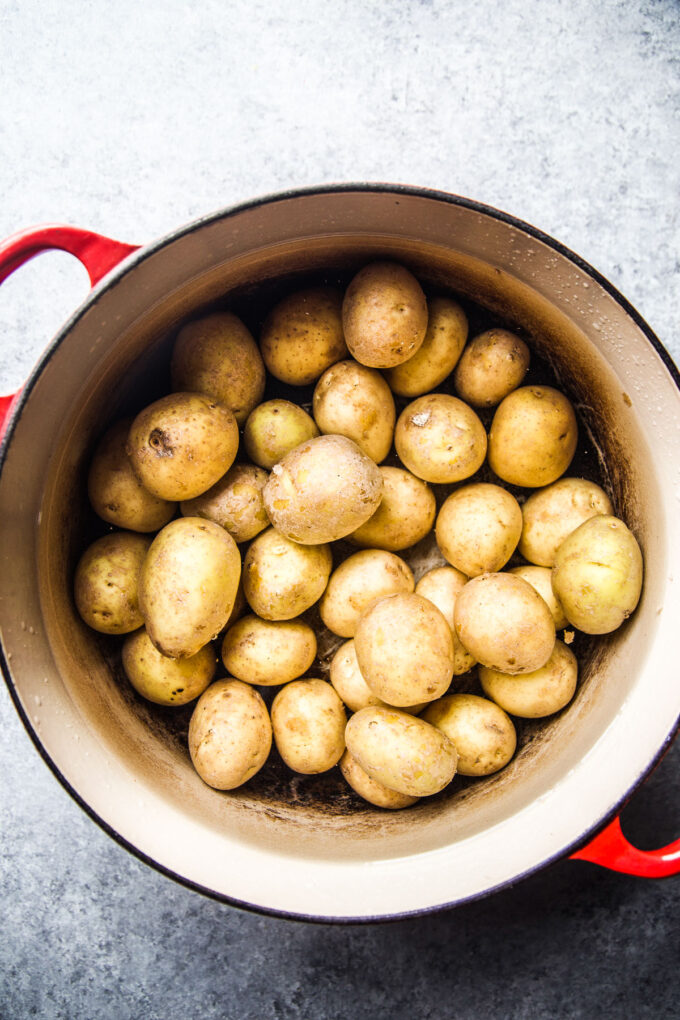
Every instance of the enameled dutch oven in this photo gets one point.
(277, 848)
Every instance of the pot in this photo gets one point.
(279, 849)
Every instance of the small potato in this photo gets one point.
(308, 719)
(533, 436)
(536, 694)
(441, 586)
(480, 731)
(303, 336)
(230, 734)
(322, 491)
(267, 652)
(234, 502)
(281, 578)
(551, 514)
(447, 331)
(504, 623)
(354, 401)
(188, 585)
(115, 492)
(369, 789)
(182, 444)
(347, 680)
(217, 355)
(162, 680)
(540, 578)
(274, 429)
(384, 315)
(400, 751)
(357, 583)
(598, 575)
(492, 365)
(106, 585)
(405, 513)
(478, 528)
(440, 439)
(405, 650)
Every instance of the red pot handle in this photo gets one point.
(611, 849)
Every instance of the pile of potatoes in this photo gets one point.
(248, 499)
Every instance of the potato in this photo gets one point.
(551, 514)
(230, 734)
(480, 731)
(106, 584)
(115, 492)
(267, 652)
(347, 680)
(309, 720)
(441, 586)
(504, 623)
(322, 491)
(188, 585)
(404, 649)
(536, 694)
(540, 578)
(218, 356)
(303, 336)
(182, 444)
(162, 680)
(533, 436)
(369, 789)
(478, 528)
(281, 578)
(400, 751)
(440, 439)
(357, 583)
(405, 513)
(234, 502)
(384, 315)
(238, 607)
(354, 401)
(492, 365)
(447, 331)
(597, 574)
(274, 429)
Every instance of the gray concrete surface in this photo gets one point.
(132, 119)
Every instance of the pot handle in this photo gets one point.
(611, 849)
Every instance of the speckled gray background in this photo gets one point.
(132, 119)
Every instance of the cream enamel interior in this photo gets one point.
(297, 858)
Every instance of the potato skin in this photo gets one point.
(354, 401)
(322, 491)
(447, 331)
(492, 365)
(234, 502)
(480, 730)
(282, 578)
(346, 678)
(384, 315)
(308, 719)
(182, 444)
(400, 751)
(597, 574)
(441, 586)
(551, 514)
(275, 428)
(188, 585)
(162, 680)
(267, 652)
(440, 439)
(478, 528)
(537, 694)
(357, 583)
(533, 436)
(372, 791)
(217, 355)
(404, 515)
(106, 583)
(540, 578)
(302, 335)
(230, 734)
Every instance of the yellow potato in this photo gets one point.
(347, 680)
(234, 502)
(281, 578)
(447, 331)
(440, 439)
(230, 734)
(478, 528)
(268, 652)
(540, 578)
(441, 586)
(480, 731)
(369, 789)
(303, 335)
(308, 719)
(492, 365)
(357, 583)
(405, 513)
(354, 401)
(106, 584)
(162, 680)
(537, 694)
(274, 429)
(384, 315)
(533, 436)
(550, 514)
